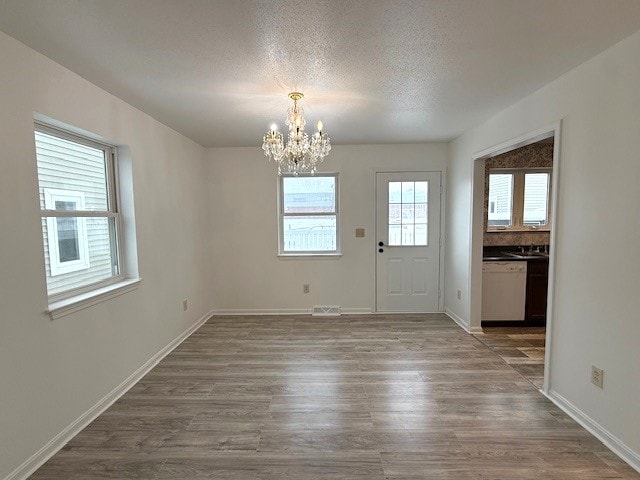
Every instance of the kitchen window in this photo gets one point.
(79, 211)
(519, 199)
(308, 214)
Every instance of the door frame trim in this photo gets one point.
(441, 245)
(477, 230)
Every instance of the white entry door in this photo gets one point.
(408, 241)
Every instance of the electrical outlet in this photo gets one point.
(597, 376)
(185, 305)
(459, 294)
(305, 288)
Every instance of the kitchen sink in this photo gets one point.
(526, 254)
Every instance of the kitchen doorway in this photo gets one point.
(515, 191)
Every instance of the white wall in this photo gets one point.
(248, 273)
(595, 319)
(51, 372)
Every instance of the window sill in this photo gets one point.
(311, 256)
(79, 302)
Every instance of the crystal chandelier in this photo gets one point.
(302, 153)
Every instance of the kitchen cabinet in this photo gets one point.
(536, 299)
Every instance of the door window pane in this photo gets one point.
(500, 205)
(408, 190)
(408, 216)
(395, 192)
(536, 199)
(407, 235)
(420, 234)
(395, 234)
(395, 214)
(422, 189)
(421, 213)
(408, 213)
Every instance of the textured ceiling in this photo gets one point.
(374, 71)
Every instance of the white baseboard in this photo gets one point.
(285, 311)
(61, 439)
(612, 442)
(305, 311)
(262, 311)
(357, 311)
(462, 323)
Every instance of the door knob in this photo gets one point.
(381, 250)
(381, 244)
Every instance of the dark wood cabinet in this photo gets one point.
(535, 309)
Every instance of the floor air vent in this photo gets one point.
(326, 311)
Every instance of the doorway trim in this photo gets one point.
(477, 231)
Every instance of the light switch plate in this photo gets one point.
(597, 376)
(359, 232)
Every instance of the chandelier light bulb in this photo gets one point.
(274, 127)
(320, 125)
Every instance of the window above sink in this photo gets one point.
(519, 200)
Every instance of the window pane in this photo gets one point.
(73, 176)
(395, 235)
(421, 235)
(408, 192)
(309, 194)
(83, 252)
(395, 192)
(421, 212)
(407, 214)
(536, 199)
(500, 199)
(422, 192)
(407, 235)
(64, 165)
(413, 209)
(395, 214)
(68, 247)
(309, 233)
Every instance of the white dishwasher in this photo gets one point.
(503, 290)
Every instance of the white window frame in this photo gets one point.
(282, 215)
(51, 196)
(113, 211)
(517, 201)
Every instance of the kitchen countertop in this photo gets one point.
(495, 255)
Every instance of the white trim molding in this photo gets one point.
(612, 442)
(461, 323)
(262, 311)
(73, 304)
(476, 232)
(292, 311)
(61, 439)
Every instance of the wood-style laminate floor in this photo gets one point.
(354, 397)
(520, 347)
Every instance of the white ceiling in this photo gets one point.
(375, 71)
